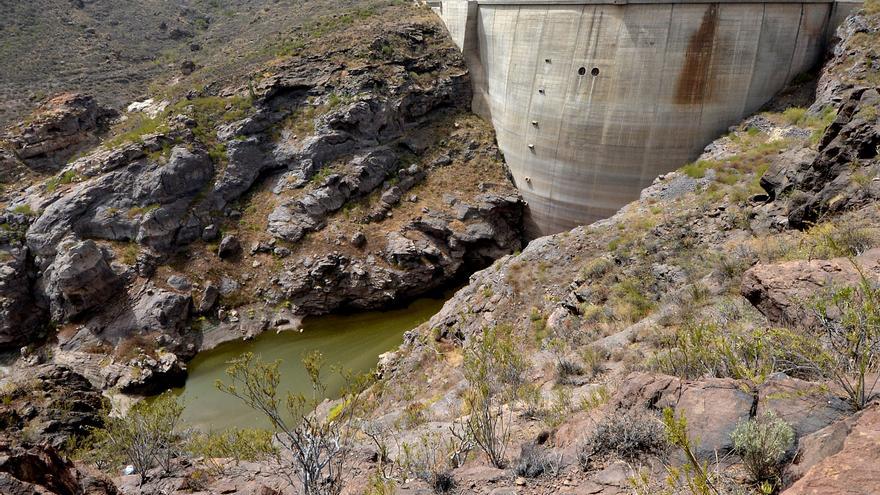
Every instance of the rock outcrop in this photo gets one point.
(146, 201)
(784, 292)
(424, 254)
(61, 127)
(840, 459)
(42, 470)
(838, 175)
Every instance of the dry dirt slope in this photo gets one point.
(113, 49)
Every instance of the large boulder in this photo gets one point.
(147, 310)
(783, 291)
(41, 470)
(840, 459)
(78, 280)
(713, 406)
(806, 406)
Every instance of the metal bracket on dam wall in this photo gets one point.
(591, 99)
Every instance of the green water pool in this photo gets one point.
(353, 341)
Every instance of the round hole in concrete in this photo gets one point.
(595, 71)
(582, 71)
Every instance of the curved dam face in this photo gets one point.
(591, 100)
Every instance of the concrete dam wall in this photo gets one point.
(593, 99)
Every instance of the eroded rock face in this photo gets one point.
(426, 253)
(146, 201)
(78, 280)
(291, 221)
(824, 179)
(840, 459)
(51, 402)
(21, 315)
(784, 291)
(41, 470)
(57, 131)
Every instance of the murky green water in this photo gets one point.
(353, 341)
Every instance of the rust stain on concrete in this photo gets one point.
(694, 82)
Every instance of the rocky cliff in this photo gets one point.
(347, 176)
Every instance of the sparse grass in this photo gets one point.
(62, 179)
(630, 299)
(236, 299)
(596, 398)
(129, 253)
(794, 115)
(697, 170)
(140, 211)
(25, 210)
(238, 444)
(135, 128)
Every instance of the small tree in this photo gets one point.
(850, 322)
(146, 437)
(845, 346)
(762, 443)
(693, 476)
(319, 445)
(494, 371)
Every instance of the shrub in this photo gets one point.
(442, 482)
(532, 460)
(319, 446)
(238, 444)
(146, 437)
(378, 484)
(846, 348)
(627, 435)
(493, 368)
(693, 476)
(702, 349)
(593, 359)
(432, 458)
(762, 443)
(565, 369)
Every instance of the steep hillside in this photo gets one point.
(120, 50)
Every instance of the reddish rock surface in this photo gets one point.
(782, 290)
(843, 457)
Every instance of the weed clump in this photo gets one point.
(626, 435)
(763, 443)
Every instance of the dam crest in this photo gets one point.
(591, 100)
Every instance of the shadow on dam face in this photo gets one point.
(591, 100)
